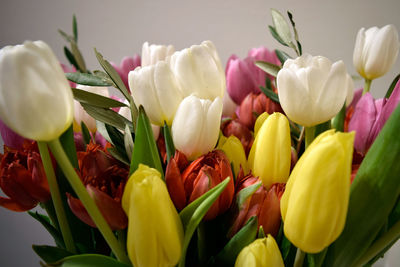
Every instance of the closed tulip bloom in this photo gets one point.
(233, 148)
(262, 252)
(196, 126)
(199, 71)
(375, 51)
(270, 154)
(234, 127)
(155, 231)
(35, 98)
(314, 204)
(312, 90)
(156, 89)
(151, 54)
(80, 115)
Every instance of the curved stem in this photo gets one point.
(310, 135)
(367, 86)
(56, 198)
(300, 255)
(87, 201)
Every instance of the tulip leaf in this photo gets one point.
(117, 155)
(270, 94)
(75, 28)
(192, 215)
(373, 195)
(128, 142)
(246, 192)
(78, 56)
(338, 120)
(101, 128)
(169, 143)
(281, 26)
(391, 87)
(269, 68)
(288, 251)
(96, 100)
(88, 260)
(274, 34)
(145, 149)
(261, 233)
(244, 237)
(87, 79)
(70, 57)
(51, 254)
(44, 220)
(296, 35)
(85, 134)
(282, 56)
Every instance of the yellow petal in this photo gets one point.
(234, 150)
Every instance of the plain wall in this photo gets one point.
(118, 28)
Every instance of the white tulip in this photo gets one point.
(375, 51)
(229, 106)
(156, 89)
(35, 97)
(196, 125)
(312, 90)
(151, 54)
(199, 71)
(80, 114)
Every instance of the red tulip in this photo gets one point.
(234, 127)
(105, 179)
(186, 183)
(22, 178)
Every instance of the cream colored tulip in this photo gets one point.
(151, 54)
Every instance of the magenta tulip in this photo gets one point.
(127, 64)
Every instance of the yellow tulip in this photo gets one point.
(234, 150)
(270, 154)
(314, 205)
(261, 253)
(259, 122)
(155, 231)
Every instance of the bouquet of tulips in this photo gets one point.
(275, 161)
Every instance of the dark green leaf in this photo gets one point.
(276, 36)
(78, 56)
(101, 128)
(44, 220)
(244, 237)
(246, 192)
(50, 254)
(338, 120)
(300, 48)
(75, 28)
(145, 150)
(288, 251)
(261, 233)
(270, 94)
(118, 155)
(296, 36)
(392, 85)
(67, 38)
(269, 68)
(282, 56)
(322, 127)
(96, 100)
(89, 260)
(87, 79)
(128, 142)
(85, 134)
(70, 57)
(118, 140)
(169, 143)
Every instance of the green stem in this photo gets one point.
(122, 238)
(391, 235)
(310, 135)
(56, 197)
(300, 255)
(87, 201)
(367, 86)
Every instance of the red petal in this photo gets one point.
(270, 214)
(174, 182)
(79, 210)
(10, 204)
(39, 188)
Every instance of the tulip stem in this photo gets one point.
(367, 86)
(87, 201)
(390, 236)
(310, 135)
(56, 197)
(300, 255)
(300, 140)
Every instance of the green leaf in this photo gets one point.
(78, 56)
(95, 100)
(70, 57)
(107, 116)
(192, 214)
(270, 94)
(269, 68)
(44, 220)
(274, 34)
(288, 251)
(101, 128)
(50, 254)
(128, 142)
(296, 36)
(338, 120)
(373, 194)
(281, 26)
(75, 28)
(261, 233)
(316, 260)
(244, 237)
(392, 85)
(85, 134)
(67, 38)
(87, 79)
(169, 143)
(282, 56)
(89, 260)
(246, 192)
(145, 150)
(118, 155)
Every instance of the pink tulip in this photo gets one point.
(10, 138)
(127, 64)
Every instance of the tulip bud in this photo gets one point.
(312, 90)
(155, 231)
(314, 204)
(233, 148)
(261, 253)
(151, 54)
(234, 127)
(35, 98)
(199, 71)
(156, 89)
(375, 51)
(81, 115)
(270, 154)
(196, 126)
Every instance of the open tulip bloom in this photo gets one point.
(276, 162)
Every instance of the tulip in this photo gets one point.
(234, 150)
(196, 126)
(260, 253)
(199, 71)
(151, 54)
(35, 98)
(156, 89)
(127, 64)
(375, 51)
(234, 127)
(155, 231)
(312, 90)
(270, 154)
(22, 178)
(314, 204)
(229, 107)
(11, 138)
(188, 182)
(81, 115)
(105, 179)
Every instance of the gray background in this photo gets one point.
(119, 28)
